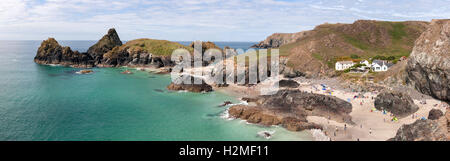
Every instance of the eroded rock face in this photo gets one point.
(399, 104)
(421, 130)
(105, 44)
(186, 82)
(50, 52)
(428, 67)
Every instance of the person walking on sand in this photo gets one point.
(345, 127)
(370, 130)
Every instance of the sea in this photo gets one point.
(54, 103)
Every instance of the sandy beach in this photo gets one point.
(370, 125)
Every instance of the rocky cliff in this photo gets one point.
(428, 68)
(399, 104)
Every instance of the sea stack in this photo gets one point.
(50, 52)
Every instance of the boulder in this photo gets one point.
(288, 83)
(435, 114)
(399, 104)
(186, 82)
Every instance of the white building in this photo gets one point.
(366, 63)
(380, 66)
(342, 65)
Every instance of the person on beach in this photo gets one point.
(370, 130)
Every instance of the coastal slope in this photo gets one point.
(320, 48)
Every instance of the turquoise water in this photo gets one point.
(40, 102)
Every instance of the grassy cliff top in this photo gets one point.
(156, 47)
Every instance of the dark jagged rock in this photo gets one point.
(288, 83)
(435, 114)
(305, 103)
(105, 44)
(399, 104)
(260, 116)
(422, 130)
(50, 52)
(186, 82)
(428, 68)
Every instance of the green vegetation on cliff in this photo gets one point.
(328, 43)
(155, 47)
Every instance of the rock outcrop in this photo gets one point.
(50, 52)
(105, 44)
(188, 83)
(428, 67)
(290, 108)
(421, 130)
(288, 83)
(435, 128)
(277, 39)
(399, 104)
(447, 116)
(110, 52)
(260, 116)
(314, 53)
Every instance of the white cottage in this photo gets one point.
(342, 65)
(380, 65)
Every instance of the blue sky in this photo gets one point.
(213, 20)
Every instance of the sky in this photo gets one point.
(207, 20)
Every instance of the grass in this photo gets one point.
(317, 56)
(156, 47)
(398, 31)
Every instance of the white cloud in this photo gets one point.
(231, 20)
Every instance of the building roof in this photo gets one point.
(381, 62)
(345, 62)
